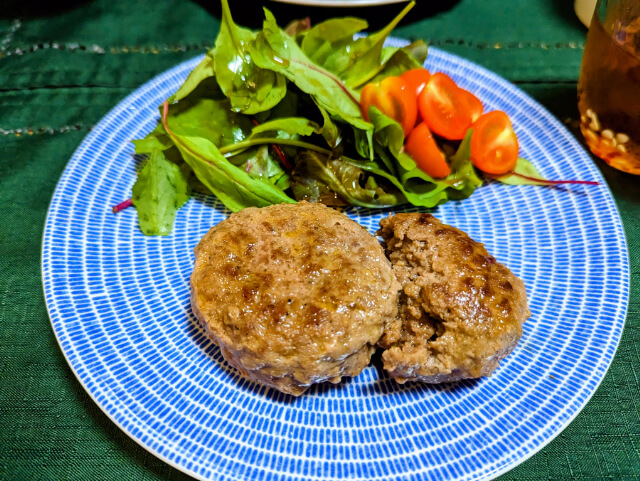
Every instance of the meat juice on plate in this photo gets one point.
(609, 93)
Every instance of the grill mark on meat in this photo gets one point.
(290, 297)
(249, 292)
(231, 270)
(425, 219)
(317, 315)
(506, 286)
(276, 312)
(481, 260)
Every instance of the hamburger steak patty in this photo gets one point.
(461, 312)
(294, 294)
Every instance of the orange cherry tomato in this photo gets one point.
(473, 103)
(494, 145)
(422, 148)
(392, 98)
(444, 107)
(416, 79)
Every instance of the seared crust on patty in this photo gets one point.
(461, 312)
(294, 294)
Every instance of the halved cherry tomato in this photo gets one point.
(494, 145)
(422, 148)
(473, 103)
(444, 107)
(416, 79)
(392, 98)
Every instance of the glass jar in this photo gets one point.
(609, 85)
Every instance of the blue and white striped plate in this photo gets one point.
(119, 306)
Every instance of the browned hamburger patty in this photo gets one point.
(294, 294)
(461, 312)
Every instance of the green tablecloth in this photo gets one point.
(63, 66)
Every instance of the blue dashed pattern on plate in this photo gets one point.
(119, 306)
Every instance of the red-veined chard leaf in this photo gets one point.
(275, 50)
(232, 185)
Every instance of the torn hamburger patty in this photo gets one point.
(294, 294)
(460, 311)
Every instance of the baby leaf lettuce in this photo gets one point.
(525, 173)
(330, 131)
(368, 55)
(331, 45)
(207, 113)
(250, 89)
(419, 188)
(328, 43)
(233, 186)
(275, 50)
(388, 133)
(320, 178)
(266, 113)
(463, 179)
(407, 58)
(203, 70)
(290, 126)
(160, 190)
(157, 139)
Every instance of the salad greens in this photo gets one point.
(160, 190)
(270, 117)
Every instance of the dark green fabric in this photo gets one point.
(63, 66)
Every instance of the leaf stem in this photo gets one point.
(276, 148)
(245, 144)
(122, 206)
(555, 182)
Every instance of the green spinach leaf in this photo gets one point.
(423, 194)
(232, 185)
(157, 139)
(291, 126)
(160, 190)
(275, 50)
(202, 71)
(368, 55)
(330, 130)
(207, 113)
(328, 43)
(407, 58)
(250, 89)
(319, 178)
(462, 181)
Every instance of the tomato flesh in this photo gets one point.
(444, 107)
(494, 145)
(394, 98)
(473, 104)
(422, 148)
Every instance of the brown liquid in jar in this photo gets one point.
(609, 94)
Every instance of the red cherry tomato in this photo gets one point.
(394, 99)
(416, 79)
(473, 103)
(422, 148)
(444, 107)
(494, 145)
